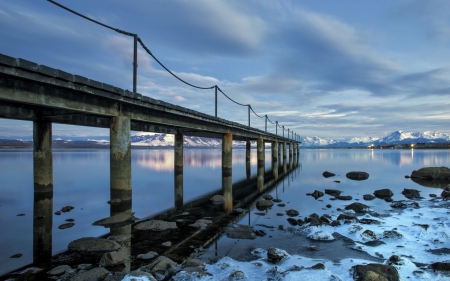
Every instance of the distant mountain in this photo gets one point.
(394, 138)
(165, 140)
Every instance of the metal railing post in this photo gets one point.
(266, 123)
(135, 63)
(276, 128)
(248, 115)
(283, 131)
(216, 99)
(288, 134)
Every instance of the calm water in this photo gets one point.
(81, 179)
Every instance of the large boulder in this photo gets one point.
(264, 204)
(382, 272)
(161, 267)
(358, 207)
(383, 193)
(327, 174)
(358, 176)
(112, 258)
(432, 176)
(275, 255)
(411, 193)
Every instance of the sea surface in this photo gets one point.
(81, 180)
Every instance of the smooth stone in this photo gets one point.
(156, 225)
(92, 244)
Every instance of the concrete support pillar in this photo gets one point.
(284, 158)
(291, 155)
(43, 192)
(247, 159)
(227, 165)
(120, 169)
(275, 159)
(178, 180)
(260, 153)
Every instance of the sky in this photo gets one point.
(333, 69)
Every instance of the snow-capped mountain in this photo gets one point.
(394, 138)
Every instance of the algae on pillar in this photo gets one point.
(178, 180)
(120, 169)
(260, 155)
(227, 180)
(43, 192)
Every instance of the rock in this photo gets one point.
(121, 219)
(95, 274)
(383, 193)
(260, 233)
(292, 221)
(368, 235)
(156, 225)
(392, 234)
(263, 204)
(432, 176)
(388, 199)
(432, 195)
(340, 197)
(318, 266)
(313, 221)
(369, 221)
(58, 213)
(411, 193)
(445, 194)
(441, 266)
(327, 174)
(346, 217)
(316, 194)
(320, 235)
(112, 258)
(324, 220)
(59, 270)
(268, 197)
(276, 200)
(237, 275)
(217, 199)
(368, 197)
(333, 192)
(359, 176)
(292, 213)
(67, 209)
(281, 205)
(161, 267)
(403, 204)
(337, 181)
(280, 214)
(394, 259)
(138, 273)
(91, 244)
(167, 244)
(388, 272)
(147, 256)
(201, 223)
(120, 238)
(328, 206)
(335, 223)
(275, 255)
(193, 262)
(358, 207)
(20, 215)
(66, 225)
(16, 256)
(241, 232)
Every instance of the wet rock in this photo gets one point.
(394, 259)
(280, 214)
(327, 174)
(67, 209)
(324, 220)
(70, 220)
(59, 270)
(276, 200)
(375, 272)
(292, 221)
(264, 204)
(392, 234)
(445, 194)
(292, 213)
(388, 199)
(268, 197)
(237, 275)
(119, 219)
(440, 251)
(424, 226)
(318, 266)
(92, 244)
(275, 255)
(316, 194)
(281, 205)
(115, 201)
(120, 238)
(112, 258)
(346, 217)
(20, 215)
(241, 232)
(201, 223)
(167, 244)
(383, 193)
(161, 267)
(354, 228)
(335, 223)
(66, 225)
(368, 197)
(368, 235)
(399, 204)
(217, 199)
(320, 235)
(333, 192)
(156, 225)
(357, 175)
(95, 274)
(337, 181)
(141, 274)
(313, 221)
(260, 233)
(411, 193)
(358, 207)
(147, 256)
(340, 197)
(432, 176)
(440, 266)
(369, 221)
(58, 213)
(432, 195)
(328, 206)
(16, 256)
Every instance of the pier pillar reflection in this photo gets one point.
(178, 180)
(260, 153)
(120, 170)
(275, 159)
(43, 192)
(247, 159)
(227, 162)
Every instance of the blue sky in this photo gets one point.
(333, 69)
